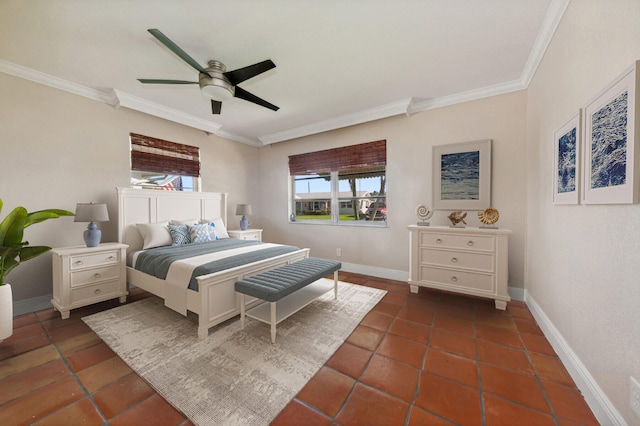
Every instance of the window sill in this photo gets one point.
(358, 224)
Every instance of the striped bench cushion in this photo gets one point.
(275, 284)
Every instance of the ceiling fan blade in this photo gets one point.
(238, 76)
(157, 81)
(175, 49)
(216, 107)
(243, 94)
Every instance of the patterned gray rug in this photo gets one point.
(234, 376)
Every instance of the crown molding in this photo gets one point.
(547, 30)
(471, 95)
(237, 138)
(142, 105)
(383, 111)
(55, 82)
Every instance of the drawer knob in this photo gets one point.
(470, 243)
(97, 291)
(454, 260)
(111, 257)
(96, 275)
(439, 241)
(78, 262)
(454, 279)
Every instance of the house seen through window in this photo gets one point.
(341, 185)
(164, 165)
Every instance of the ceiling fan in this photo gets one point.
(215, 81)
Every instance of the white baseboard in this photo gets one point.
(390, 274)
(32, 305)
(597, 400)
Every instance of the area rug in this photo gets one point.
(234, 376)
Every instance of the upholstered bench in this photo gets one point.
(291, 287)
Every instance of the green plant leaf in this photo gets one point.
(12, 227)
(8, 260)
(12, 249)
(30, 252)
(42, 215)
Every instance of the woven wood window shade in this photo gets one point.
(159, 156)
(345, 159)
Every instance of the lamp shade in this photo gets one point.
(90, 212)
(243, 209)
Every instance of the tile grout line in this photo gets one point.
(73, 374)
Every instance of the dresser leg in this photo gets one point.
(123, 299)
(501, 304)
(65, 314)
(413, 288)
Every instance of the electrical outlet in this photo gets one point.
(634, 393)
(339, 252)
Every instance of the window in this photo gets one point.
(340, 186)
(160, 164)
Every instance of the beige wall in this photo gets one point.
(583, 261)
(409, 145)
(579, 264)
(58, 149)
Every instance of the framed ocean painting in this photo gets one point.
(566, 161)
(611, 143)
(462, 176)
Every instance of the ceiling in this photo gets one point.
(338, 62)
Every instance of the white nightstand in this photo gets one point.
(249, 234)
(85, 275)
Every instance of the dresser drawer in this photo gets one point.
(86, 293)
(458, 259)
(457, 279)
(94, 259)
(469, 242)
(88, 276)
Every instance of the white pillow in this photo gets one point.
(155, 234)
(218, 225)
(183, 221)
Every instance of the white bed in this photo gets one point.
(216, 300)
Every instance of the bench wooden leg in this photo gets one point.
(242, 310)
(335, 284)
(273, 322)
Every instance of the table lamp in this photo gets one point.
(90, 212)
(243, 209)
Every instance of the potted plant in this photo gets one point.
(13, 251)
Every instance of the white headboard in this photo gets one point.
(150, 206)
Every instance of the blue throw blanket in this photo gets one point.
(157, 261)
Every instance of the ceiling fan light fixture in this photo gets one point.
(217, 93)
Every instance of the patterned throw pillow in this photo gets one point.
(202, 233)
(179, 234)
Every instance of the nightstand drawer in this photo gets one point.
(83, 294)
(97, 259)
(93, 275)
(252, 236)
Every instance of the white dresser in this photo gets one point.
(85, 275)
(472, 261)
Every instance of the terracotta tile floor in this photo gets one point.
(416, 359)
